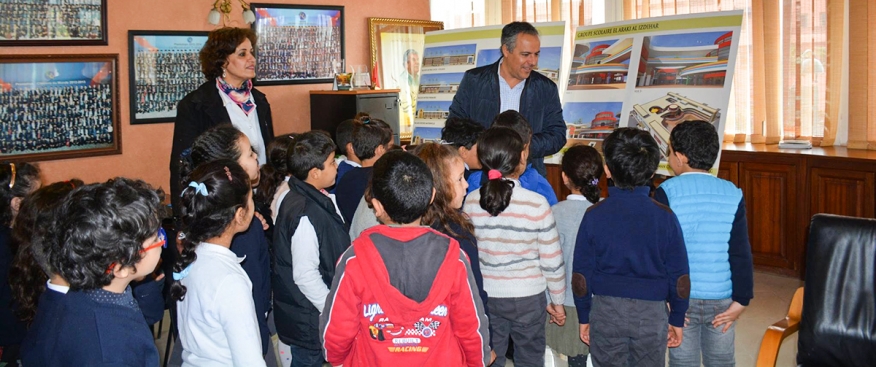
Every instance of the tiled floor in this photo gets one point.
(772, 295)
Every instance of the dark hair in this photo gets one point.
(369, 135)
(309, 151)
(208, 216)
(273, 173)
(632, 156)
(582, 164)
(438, 158)
(221, 43)
(403, 185)
(17, 185)
(499, 149)
(698, 141)
(219, 142)
(344, 135)
(30, 268)
(511, 30)
(461, 132)
(99, 225)
(514, 121)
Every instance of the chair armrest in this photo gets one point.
(777, 332)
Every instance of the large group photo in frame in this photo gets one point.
(298, 44)
(59, 106)
(53, 22)
(163, 68)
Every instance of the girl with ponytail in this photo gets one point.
(519, 250)
(225, 142)
(216, 324)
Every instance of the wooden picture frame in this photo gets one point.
(163, 67)
(59, 106)
(26, 24)
(298, 44)
(393, 43)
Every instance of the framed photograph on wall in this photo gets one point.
(163, 67)
(53, 23)
(298, 44)
(59, 106)
(396, 56)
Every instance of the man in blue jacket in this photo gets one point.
(510, 84)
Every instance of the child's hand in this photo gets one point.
(675, 335)
(584, 332)
(262, 219)
(558, 314)
(727, 317)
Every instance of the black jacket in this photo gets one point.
(478, 99)
(197, 112)
(297, 319)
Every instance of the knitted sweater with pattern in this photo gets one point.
(519, 249)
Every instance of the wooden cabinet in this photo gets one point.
(771, 203)
(842, 192)
(784, 188)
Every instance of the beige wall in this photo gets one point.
(146, 148)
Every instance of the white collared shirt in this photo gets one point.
(217, 317)
(509, 97)
(57, 288)
(248, 124)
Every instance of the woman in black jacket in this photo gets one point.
(227, 96)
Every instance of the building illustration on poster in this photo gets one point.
(601, 64)
(659, 116)
(449, 54)
(651, 74)
(690, 59)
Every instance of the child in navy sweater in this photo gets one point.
(371, 139)
(105, 236)
(462, 134)
(630, 260)
(711, 212)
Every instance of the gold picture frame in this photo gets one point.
(392, 41)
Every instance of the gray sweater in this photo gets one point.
(568, 214)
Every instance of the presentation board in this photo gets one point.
(651, 74)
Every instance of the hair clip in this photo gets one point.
(494, 174)
(182, 274)
(200, 188)
(186, 153)
(70, 183)
(12, 180)
(365, 120)
(594, 181)
(228, 173)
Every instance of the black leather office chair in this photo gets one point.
(835, 310)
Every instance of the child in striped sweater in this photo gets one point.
(519, 250)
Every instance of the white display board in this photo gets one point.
(652, 74)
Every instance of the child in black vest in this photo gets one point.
(309, 238)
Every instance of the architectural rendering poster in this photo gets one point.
(449, 54)
(651, 74)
